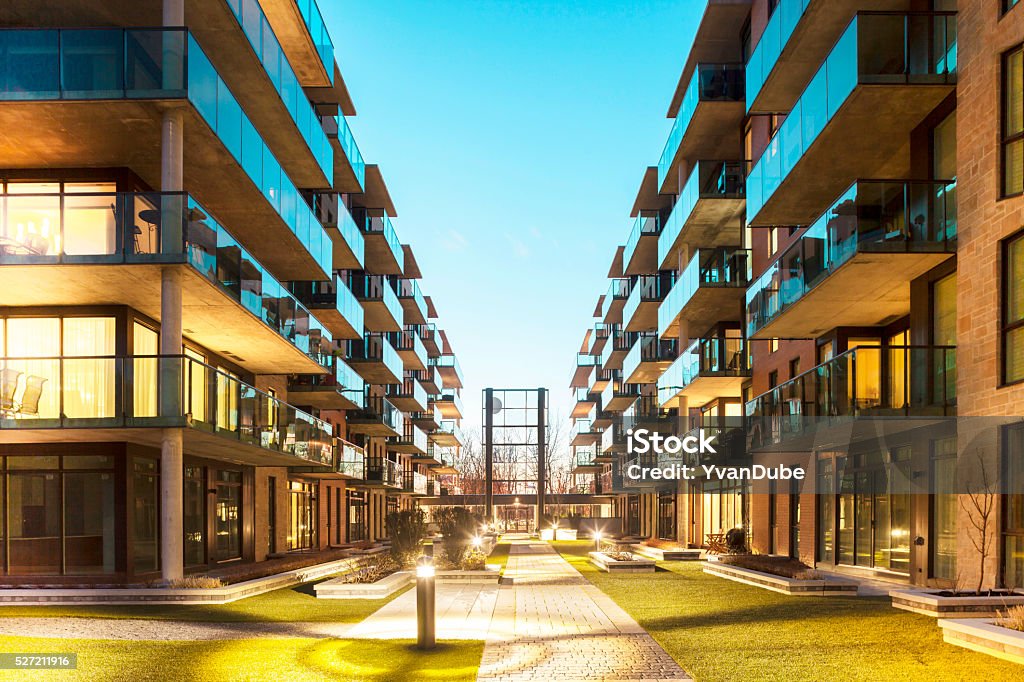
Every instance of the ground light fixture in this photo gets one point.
(425, 624)
(597, 541)
(476, 541)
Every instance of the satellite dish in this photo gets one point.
(495, 406)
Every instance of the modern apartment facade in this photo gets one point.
(215, 348)
(838, 205)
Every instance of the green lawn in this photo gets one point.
(499, 555)
(254, 659)
(718, 629)
(297, 603)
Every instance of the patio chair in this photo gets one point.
(31, 395)
(8, 385)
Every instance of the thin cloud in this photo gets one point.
(518, 247)
(455, 241)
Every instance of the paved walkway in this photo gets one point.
(545, 622)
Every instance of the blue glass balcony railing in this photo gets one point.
(410, 289)
(337, 127)
(153, 227)
(713, 356)
(876, 49)
(318, 33)
(408, 340)
(132, 391)
(375, 347)
(708, 180)
(334, 295)
(376, 288)
(618, 290)
(642, 227)
(382, 225)
(710, 83)
(722, 267)
(351, 459)
(449, 364)
(384, 471)
(870, 217)
(47, 64)
(867, 381)
(353, 386)
(620, 342)
(257, 29)
(647, 289)
(773, 40)
(648, 348)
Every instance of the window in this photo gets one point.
(1013, 507)
(773, 378)
(303, 510)
(145, 514)
(773, 241)
(194, 517)
(773, 345)
(228, 521)
(145, 343)
(944, 510)
(794, 368)
(1009, 4)
(1013, 123)
(1013, 310)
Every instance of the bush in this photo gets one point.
(1012, 618)
(406, 529)
(458, 526)
(775, 565)
(381, 567)
(475, 560)
(196, 582)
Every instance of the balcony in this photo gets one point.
(601, 377)
(430, 336)
(119, 242)
(584, 402)
(585, 364)
(226, 161)
(602, 332)
(384, 254)
(351, 460)
(854, 265)
(303, 33)
(448, 435)
(618, 395)
(868, 391)
(638, 257)
(450, 404)
(583, 433)
(450, 369)
(611, 480)
(430, 377)
(797, 38)
(408, 396)
(614, 300)
(334, 304)
(649, 357)
(707, 125)
(708, 291)
(584, 462)
(378, 418)
(428, 419)
(375, 359)
(99, 399)
(348, 249)
(708, 212)
(415, 483)
(641, 310)
(885, 74)
(613, 440)
(381, 310)
(344, 389)
(615, 351)
(382, 473)
(413, 304)
(412, 441)
(349, 166)
(710, 368)
(411, 349)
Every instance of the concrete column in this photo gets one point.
(171, 457)
(172, 151)
(174, 13)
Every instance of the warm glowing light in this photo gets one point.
(477, 541)
(597, 536)
(425, 571)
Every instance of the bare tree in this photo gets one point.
(980, 506)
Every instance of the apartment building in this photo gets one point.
(839, 206)
(215, 348)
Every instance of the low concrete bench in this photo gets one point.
(777, 583)
(659, 554)
(383, 588)
(613, 565)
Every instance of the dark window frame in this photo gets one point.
(1005, 326)
(1004, 140)
(1006, 6)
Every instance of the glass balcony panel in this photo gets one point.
(721, 267)
(708, 180)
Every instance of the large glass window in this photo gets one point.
(145, 513)
(1013, 508)
(356, 512)
(1013, 310)
(194, 518)
(89, 517)
(944, 509)
(874, 511)
(1013, 122)
(667, 516)
(34, 503)
(302, 529)
(145, 343)
(228, 521)
(826, 502)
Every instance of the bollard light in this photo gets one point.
(425, 624)
(597, 541)
(476, 541)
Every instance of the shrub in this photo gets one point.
(406, 529)
(381, 567)
(781, 566)
(1012, 618)
(458, 526)
(475, 560)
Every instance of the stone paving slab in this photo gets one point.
(462, 610)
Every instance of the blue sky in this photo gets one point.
(513, 137)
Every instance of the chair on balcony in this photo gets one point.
(31, 395)
(8, 386)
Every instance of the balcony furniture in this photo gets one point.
(8, 386)
(716, 543)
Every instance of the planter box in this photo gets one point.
(176, 595)
(984, 636)
(611, 565)
(666, 554)
(777, 583)
(931, 604)
(490, 574)
(385, 587)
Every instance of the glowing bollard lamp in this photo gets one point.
(425, 624)
(597, 541)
